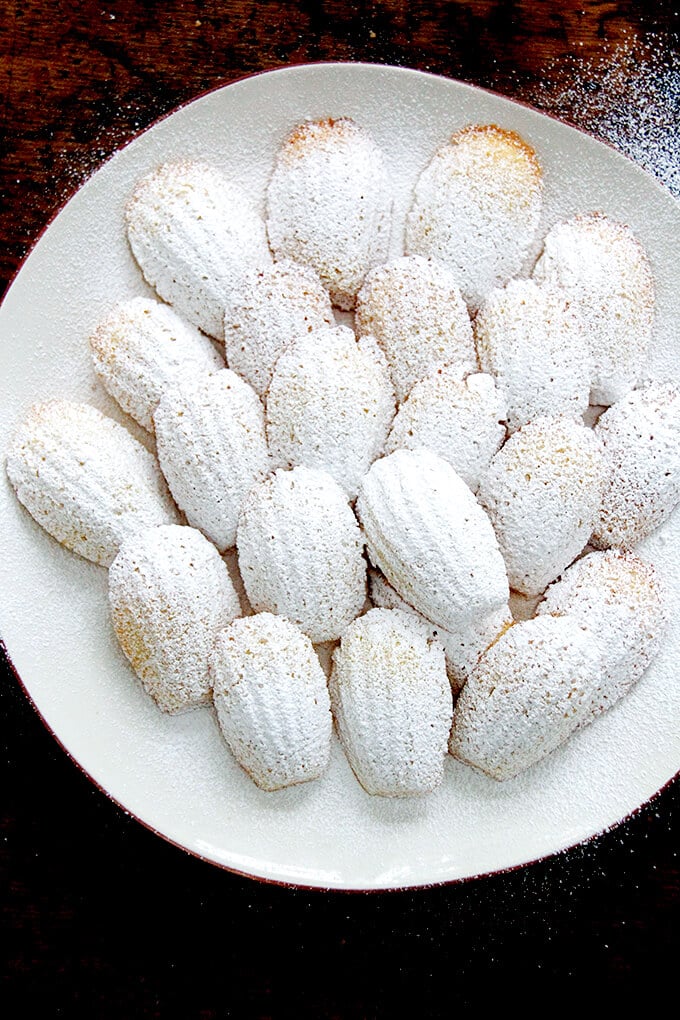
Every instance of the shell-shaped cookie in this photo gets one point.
(640, 435)
(477, 206)
(431, 539)
(300, 552)
(542, 492)
(392, 703)
(85, 479)
(212, 449)
(529, 692)
(329, 204)
(263, 316)
(606, 274)
(414, 309)
(170, 593)
(272, 701)
(462, 649)
(457, 413)
(621, 598)
(330, 405)
(529, 339)
(142, 348)
(194, 235)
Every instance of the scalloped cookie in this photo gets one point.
(542, 492)
(605, 272)
(143, 348)
(267, 313)
(330, 405)
(621, 598)
(212, 449)
(300, 552)
(414, 309)
(529, 339)
(194, 235)
(85, 479)
(640, 435)
(477, 206)
(329, 204)
(392, 703)
(529, 692)
(431, 539)
(272, 701)
(457, 413)
(170, 593)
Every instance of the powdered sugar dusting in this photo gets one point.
(329, 204)
(170, 593)
(271, 700)
(477, 206)
(414, 309)
(392, 703)
(629, 97)
(330, 405)
(530, 691)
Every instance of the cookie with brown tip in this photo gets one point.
(414, 309)
(170, 593)
(143, 348)
(477, 206)
(329, 204)
(194, 235)
(85, 479)
(529, 692)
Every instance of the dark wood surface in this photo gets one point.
(101, 917)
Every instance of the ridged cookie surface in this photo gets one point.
(85, 479)
(457, 413)
(607, 277)
(142, 348)
(621, 598)
(272, 308)
(272, 701)
(414, 309)
(212, 449)
(300, 552)
(529, 339)
(431, 539)
(392, 703)
(462, 649)
(529, 692)
(330, 405)
(329, 204)
(640, 435)
(170, 593)
(194, 235)
(477, 206)
(542, 492)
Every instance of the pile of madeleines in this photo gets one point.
(440, 463)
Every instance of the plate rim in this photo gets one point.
(650, 178)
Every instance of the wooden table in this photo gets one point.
(105, 919)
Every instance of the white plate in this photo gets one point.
(175, 774)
